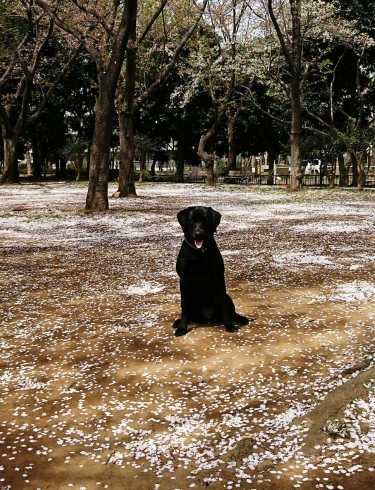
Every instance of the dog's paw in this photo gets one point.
(242, 320)
(231, 328)
(180, 331)
(176, 323)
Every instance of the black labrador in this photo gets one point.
(200, 266)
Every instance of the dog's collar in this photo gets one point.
(203, 249)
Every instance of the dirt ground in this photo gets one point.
(96, 392)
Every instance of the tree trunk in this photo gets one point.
(293, 57)
(45, 166)
(153, 173)
(125, 99)
(296, 126)
(205, 139)
(180, 156)
(57, 162)
(10, 174)
(79, 164)
(353, 158)
(362, 170)
(295, 136)
(126, 186)
(332, 171)
(208, 160)
(271, 157)
(344, 170)
(29, 164)
(142, 167)
(37, 163)
(231, 164)
(97, 195)
(63, 162)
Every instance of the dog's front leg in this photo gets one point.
(183, 325)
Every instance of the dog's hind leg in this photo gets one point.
(176, 323)
(235, 317)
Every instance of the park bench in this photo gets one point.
(239, 177)
(165, 176)
(195, 175)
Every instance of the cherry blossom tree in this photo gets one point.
(214, 67)
(296, 39)
(154, 52)
(103, 28)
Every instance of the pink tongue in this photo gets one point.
(198, 243)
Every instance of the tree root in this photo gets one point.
(333, 406)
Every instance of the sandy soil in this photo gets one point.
(96, 392)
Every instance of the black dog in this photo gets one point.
(201, 269)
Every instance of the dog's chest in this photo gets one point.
(198, 269)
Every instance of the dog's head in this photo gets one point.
(199, 224)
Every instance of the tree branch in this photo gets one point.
(152, 21)
(5, 119)
(280, 36)
(264, 111)
(19, 56)
(340, 109)
(140, 100)
(71, 30)
(331, 86)
(47, 96)
(359, 92)
(317, 118)
(98, 17)
(38, 50)
(314, 130)
(8, 71)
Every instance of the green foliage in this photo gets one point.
(146, 175)
(359, 139)
(362, 12)
(74, 149)
(336, 427)
(220, 167)
(144, 145)
(8, 26)
(338, 141)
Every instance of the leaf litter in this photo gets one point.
(96, 391)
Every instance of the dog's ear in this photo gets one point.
(216, 217)
(181, 216)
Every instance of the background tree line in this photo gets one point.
(223, 76)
